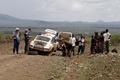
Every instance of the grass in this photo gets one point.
(7, 37)
(115, 39)
(104, 68)
(2, 36)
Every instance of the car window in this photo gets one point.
(42, 38)
(52, 40)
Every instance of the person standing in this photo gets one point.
(26, 39)
(93, 45)
(84, 44)
(29, 36)
(97, 38)
(16, 38)
(73, 41)
(101, 42)
(107, 36)
(69, 46)
(81, 45)
(29, 33)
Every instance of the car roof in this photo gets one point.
(44, 35)
(51, 31)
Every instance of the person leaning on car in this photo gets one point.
(29, 33)
(26, 39)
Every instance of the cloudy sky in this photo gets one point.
(62, 10)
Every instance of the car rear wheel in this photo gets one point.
(32, 52)
(39, 53)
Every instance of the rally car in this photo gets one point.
(43, 43)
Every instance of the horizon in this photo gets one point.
(57, 21)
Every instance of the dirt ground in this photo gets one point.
(40, 67)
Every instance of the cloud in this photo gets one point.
(62, 10)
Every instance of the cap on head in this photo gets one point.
(26, 30)
(17, 29)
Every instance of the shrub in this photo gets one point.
(2, 36)
(115, 39)
(8, 37)
(88, 39)
(5, 37)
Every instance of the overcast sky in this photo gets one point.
(62, 10)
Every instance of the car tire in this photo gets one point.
(39, 53)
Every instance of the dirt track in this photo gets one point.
(24, 67)
(33, 67)
(38, 67)
(21, 66)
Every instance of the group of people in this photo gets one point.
(100, 43)
(16, 39)
(69, 47)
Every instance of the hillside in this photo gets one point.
(9, 21)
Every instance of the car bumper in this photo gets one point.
(39, 49)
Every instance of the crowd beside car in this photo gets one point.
(51, 41)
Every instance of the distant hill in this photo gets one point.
(9, 21)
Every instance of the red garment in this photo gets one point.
(85, 42)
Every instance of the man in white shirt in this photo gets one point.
(72, 41)
(16, 39)
(81, 45)
(107, 36)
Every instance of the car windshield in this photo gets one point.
(42, 38)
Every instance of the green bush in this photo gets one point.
(2, 36)
(88, 39)
(5, 37)
(115, 39)
(8, 37)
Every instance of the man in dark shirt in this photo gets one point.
(101, 42)
(26, 39)
(97, 38)
(93, 44)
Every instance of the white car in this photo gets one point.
(43, 43)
